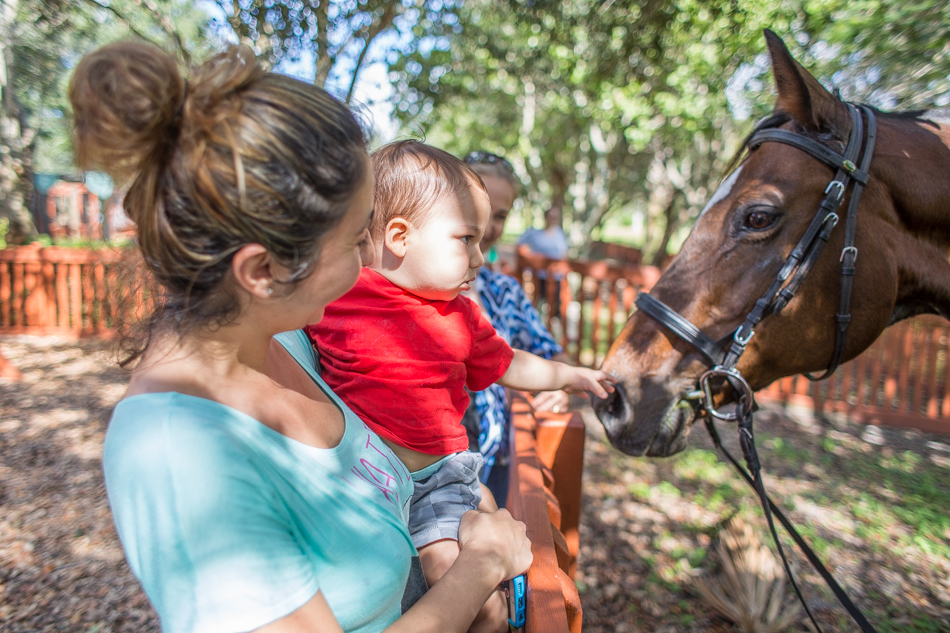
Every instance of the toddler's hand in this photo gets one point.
(582, 380)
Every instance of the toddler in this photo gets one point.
(402, 345)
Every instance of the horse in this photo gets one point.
(742, 239)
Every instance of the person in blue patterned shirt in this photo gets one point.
(515, 319)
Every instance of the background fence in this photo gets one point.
(902, 380)
(55, 290)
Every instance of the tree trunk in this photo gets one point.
(16, 141)
(659, 257)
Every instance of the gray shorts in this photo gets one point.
(444, 492)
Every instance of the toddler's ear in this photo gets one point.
(397, 232)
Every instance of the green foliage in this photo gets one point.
(51, 37)
(336, 35)
(619, 108)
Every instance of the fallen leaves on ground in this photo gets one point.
(877, 511)
(874, 502)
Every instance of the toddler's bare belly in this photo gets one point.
(414, 460)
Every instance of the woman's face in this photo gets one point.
(344, 251)
(501, 195)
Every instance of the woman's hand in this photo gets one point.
(556, 401)
(498, 540)
(495, 547)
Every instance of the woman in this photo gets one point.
(246, 495)
(514, 318)
(549, 241)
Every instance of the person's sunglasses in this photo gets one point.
(487, 158)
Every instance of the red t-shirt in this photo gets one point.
(401, 361)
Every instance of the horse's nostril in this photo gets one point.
(615, 404)
(613, 407)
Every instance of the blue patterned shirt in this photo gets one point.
(516, 321)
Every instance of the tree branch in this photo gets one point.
(124, 19)
(389, 14)
(324, 62)
(165, 24)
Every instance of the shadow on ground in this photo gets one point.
(61, 566)
(873, 503)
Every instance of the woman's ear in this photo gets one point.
(252, 270)
(397, 232)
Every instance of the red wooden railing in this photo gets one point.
(584, 304)
(55, 290)
(545, 492)
(903, 379)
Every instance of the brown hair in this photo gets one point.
(488, 164)
(410, 177)
(232, 157)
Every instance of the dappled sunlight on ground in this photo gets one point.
(877, 512)
(875, 504)
(61, 566)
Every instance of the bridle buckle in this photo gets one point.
(840, 186)
(740, 340)
(733, 377)
(844, 251)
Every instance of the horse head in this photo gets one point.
(743, 237)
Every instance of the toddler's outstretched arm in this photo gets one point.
(533, 373)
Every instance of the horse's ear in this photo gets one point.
(800, 95)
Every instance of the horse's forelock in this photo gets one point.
(775, 120)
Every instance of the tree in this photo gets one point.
(620, 107)
(16, 139)
(335, 34)
(41, 41)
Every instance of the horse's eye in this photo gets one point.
(758, 220)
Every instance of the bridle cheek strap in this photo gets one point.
(782, 289)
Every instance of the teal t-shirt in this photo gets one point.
(230, 525)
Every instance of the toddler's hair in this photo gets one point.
(410, 177)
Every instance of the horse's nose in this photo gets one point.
(614, 410)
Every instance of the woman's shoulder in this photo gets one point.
(154, 433)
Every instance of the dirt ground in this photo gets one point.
(874, 502)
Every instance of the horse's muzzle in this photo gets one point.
(658, 427)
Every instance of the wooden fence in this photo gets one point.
(55, 290)
(584, 304)
(547, 462)
(903, 379)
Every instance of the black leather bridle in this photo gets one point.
(723, 356)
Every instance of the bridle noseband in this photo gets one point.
(723, 356)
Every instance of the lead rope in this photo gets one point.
(747, 443)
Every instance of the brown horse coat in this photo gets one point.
(739, 243)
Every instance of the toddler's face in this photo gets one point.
(442, 254)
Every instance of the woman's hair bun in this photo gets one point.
(127, 102)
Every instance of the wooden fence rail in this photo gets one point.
(903, 379)
(584, 304)
(55, 290)
(545, 492)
